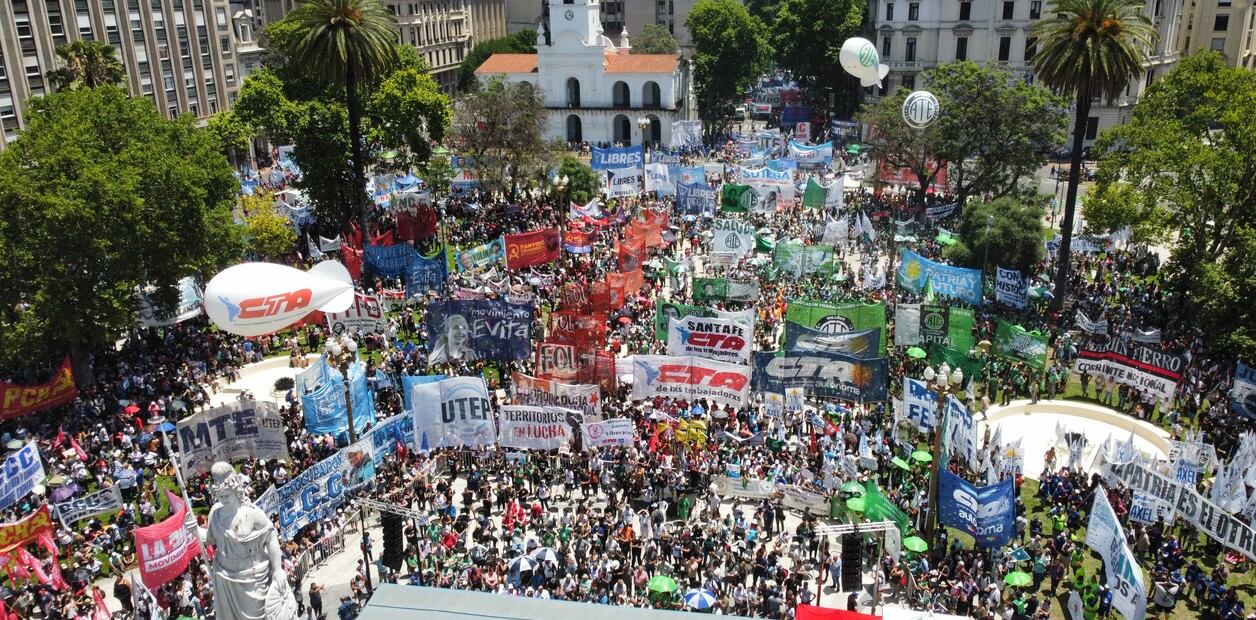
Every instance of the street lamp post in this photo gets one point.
(644, 124)
(985, 262)
(946, 383)
(342, 351)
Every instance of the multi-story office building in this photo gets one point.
(616, 15)
(179, 53)
(915, 35)
(1224, 26)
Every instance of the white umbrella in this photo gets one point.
(522, 564)
(545, 555)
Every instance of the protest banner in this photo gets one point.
(623, 182)
(824, 374)
(26, 529)
(478, 258)
(1147, 508)
(455, 412)
(539, 392)
(365, 316)
(325, 410)
(427, 273)
(236, 431)
(797, 259)
(707, 289)
(1147, 369)
(732, 237)
(725, 340)
(1011, 288)
(961, 431)
(388, 261)
(862, 344)
(658, 179)
(103, 501)
(920, 404)
(962, 284)
(607, 433)
(557, 361)
(18, 400)
(313, 495)
(166, 548)
(23, 469)
(1124, 576)
(837, 318)
(190, 300)
(802, 500)
(473, 330)
(268, 501)
(743, 487)
(811, 154)
(617, 157)
(926, 324)
(985, 513)
(531, 248)
(1089, 326)
(1015, 342)
(690, 378)
(696, 198)
(536, 428)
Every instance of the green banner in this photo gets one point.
(707, 289)
(1015, 342)
(814, 196)
(838, 317)
(797, 259)
(668, 310)
(736, 198)
(955, 358)
(878, 508)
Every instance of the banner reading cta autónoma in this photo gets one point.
(832, 375)
(985, 513)
(234, 432)
(453, 413)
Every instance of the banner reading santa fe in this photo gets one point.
(725, 340)
(690, 378)
(254, 299)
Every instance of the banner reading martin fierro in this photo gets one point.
(1136, 365)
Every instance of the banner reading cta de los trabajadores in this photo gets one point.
(985, 513)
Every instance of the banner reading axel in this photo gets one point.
(957, 282)
(725, 340)
(312, 496)
(536, 428)
(453, 413)
(475, 329)
(17, 400)
(241, 430)
(532, 248)
(985, 513)
(690, 378)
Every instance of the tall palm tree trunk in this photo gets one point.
(1070, 198)
(355, 137)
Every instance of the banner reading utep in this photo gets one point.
(725, 340)
(690, 378)
(532, 248)
(536, 428)
(241, 430)
(985, 513)
(166, 548)
(958, 282)
(17, 400)
(453, 413)
(478, 330)
(18, 533)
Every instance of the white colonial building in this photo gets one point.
(597, 91)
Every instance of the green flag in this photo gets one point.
(954, 358)
(877, 508)
(736, 198)
(814, 196)
(1015, 342)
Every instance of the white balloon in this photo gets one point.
(254, 299)
(859, 57)
(920, 109)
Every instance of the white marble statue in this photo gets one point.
(248, 576)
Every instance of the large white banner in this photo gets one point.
(102, 501)
(1011, 288)
(1094, 327)
(365, 316)
(690, 378)
(1125, 578)
(724, 340)
(453, 413)
(623, 182)
(22, 471)
(237, 431)
(1144, 368)
(686, 134)
(732, 237)
(658, 179)
(836, 232)
(1147, 508)
(961, 430)
(919, 404)
(534, 428)
(607, 433)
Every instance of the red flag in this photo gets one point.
(82, 456)
(654, 441)
(60, 437)
(102, 610)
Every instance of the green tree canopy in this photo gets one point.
(522, 42)
(654, 39)
(270, 235)
(1014, 237)
(87, 64)
(808, 35)
(1183, 172)
(582, 181)
(104, 195)
(501, 128)
(732, 49)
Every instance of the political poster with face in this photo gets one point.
(665, 311)
(709, 289)
(365, 316)
(103, 501)
(1243, 394)
(478, 329)
(313, 495)
(537, 428)
(1147, 508)
(797, 259)
(725, 340)
(732, 236)
(453, 413)
(690, 378)
(237, 431)
(985, 513)
(479, 257)
(1125, 577)
(23, 470)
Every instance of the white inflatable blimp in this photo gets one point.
(859, 58)
(253, 299)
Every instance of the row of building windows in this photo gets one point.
(966, 10)
(961, 48)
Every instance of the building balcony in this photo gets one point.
(616, 108)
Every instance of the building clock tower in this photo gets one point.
(579, 19)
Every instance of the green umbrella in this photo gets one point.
(1018, 578)
(388, 155)
(920, 456)
(856, 504)
(661, 583)
(852, 487)
(900, 463)
(915, 543)
(917, 353)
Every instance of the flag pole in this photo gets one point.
(157, 421)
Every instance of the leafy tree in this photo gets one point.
(582, 181)
(500, 127)
(654, 39)
(732, 50)
(1183, 172)
(104, 195)
(231, 132)
(270, 234)
(896, 144)
(437, 173)
(765, 10)
(808, 35)
(408, 93)
(87, 64)
(1014, 235)
(348, 43)
(1089, 49)
(522, 42)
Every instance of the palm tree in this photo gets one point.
(87, 64)
(1090, 49)
(347, 42)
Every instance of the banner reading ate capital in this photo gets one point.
(17, 400)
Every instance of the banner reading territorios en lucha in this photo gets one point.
(536, 428)
(536, 247)
(17, 400)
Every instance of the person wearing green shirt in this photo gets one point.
(683, 506)
(1058, 521)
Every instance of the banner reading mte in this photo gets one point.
(17, 400)
(958, 282)
(240, 430)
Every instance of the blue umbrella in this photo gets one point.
(166, 427)
(700, 598)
